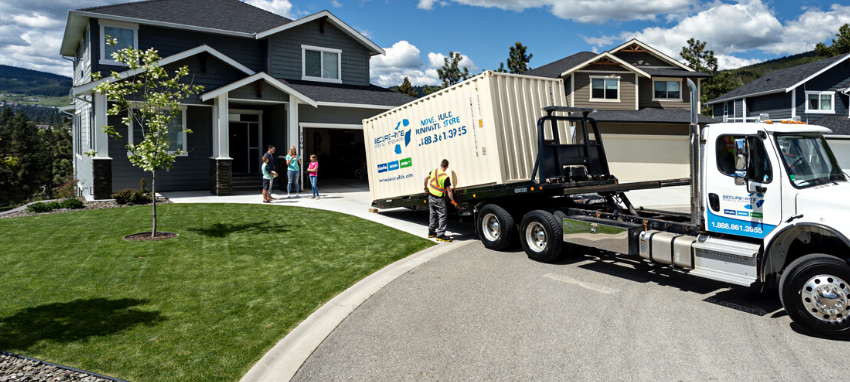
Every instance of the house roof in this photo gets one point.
(653, 51)
(839, 124)
(782, 80)
(349, 94)
(280, 85)
(554, 69)
(673, 72)
(649, 115)
(232, 15)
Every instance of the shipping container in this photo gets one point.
(485, 126)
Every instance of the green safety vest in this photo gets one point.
(437, 184)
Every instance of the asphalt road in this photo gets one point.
(475, 314)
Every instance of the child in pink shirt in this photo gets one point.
(313, 171)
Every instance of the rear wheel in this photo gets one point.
(542, 236)
(495, 227)
(814, 290)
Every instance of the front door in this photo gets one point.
(245, 147)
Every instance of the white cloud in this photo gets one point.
(747, 26)
(36, 21)
(587, 11)
(364, 32)
(403, 59)
(336, 4)
(280, 7)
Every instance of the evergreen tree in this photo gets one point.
(698, 58)
(57, 144)
(501, 68)
(517, 59)
(430, 89)
(407, 88)
(838, 47)
(21, 141)
(451, 73)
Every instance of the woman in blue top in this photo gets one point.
(293, 171)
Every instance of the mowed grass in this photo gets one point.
(204, 306)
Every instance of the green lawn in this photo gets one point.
(204, 306)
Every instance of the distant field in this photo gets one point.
(42, 100)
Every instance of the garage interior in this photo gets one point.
(341, 154)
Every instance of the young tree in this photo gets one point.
(155, 101)
(450, 73)
(407, 88)
(518, 60)
(838, 47)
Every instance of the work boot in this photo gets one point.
(432, 234)
(444, 238)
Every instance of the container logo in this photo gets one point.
(727, 212)
(406, 141)
(743, 213)
(393, 165)
(382, 168)
(406, 162)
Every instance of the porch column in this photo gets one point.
(294, 137)
(101, 161)
(221, 165)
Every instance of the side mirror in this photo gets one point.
(741, 154)
(740, 178)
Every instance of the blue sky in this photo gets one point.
(417, 33)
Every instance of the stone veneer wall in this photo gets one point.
(221, 177)
(102, 178)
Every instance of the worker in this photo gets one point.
(438, 185)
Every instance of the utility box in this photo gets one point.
(485, 126)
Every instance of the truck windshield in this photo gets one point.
(808, 159)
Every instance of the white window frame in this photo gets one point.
(78, 135)
(104, 60)
(304, 76)
(185, 136)
(619, 90)
(663, 79)
(819, 93)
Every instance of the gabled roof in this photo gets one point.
(328, 93)
(782, 80)
(89, 87)
(280, 85)
(333, 20)
(653, 51)
(673, 72)
(554, 69)
(839, 124)
(650, 115)
(608, 56)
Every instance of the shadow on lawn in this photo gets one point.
(72, 321)
(226, 229)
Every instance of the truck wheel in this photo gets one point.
(542, 236)
(814, 290)
(495, 227)
(567, 248)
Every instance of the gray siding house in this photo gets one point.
(815, 93)
(642, 101)
(267, 80)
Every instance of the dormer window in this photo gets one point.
(125, 34)
(321, 64)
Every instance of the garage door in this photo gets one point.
(633, 158)
(841, 150)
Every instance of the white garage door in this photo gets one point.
(841, 150)
(634, 158)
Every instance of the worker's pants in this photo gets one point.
(437, 222)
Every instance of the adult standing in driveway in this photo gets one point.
(270, 155)
(293, 171)
(438, 185)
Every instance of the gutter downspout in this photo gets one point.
(696, 203)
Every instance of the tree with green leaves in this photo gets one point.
(149, 99)
(839, 46)
(22, 149)
(451, 73)
(501, 68)
(518, 59)
(407, 88)
(431, 89)
(702, 60)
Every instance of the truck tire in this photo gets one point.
(542, 236)
(814, 290)
(567, 249)
(495, 227)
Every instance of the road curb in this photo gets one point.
(284, 359)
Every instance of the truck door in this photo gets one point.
(752, 209)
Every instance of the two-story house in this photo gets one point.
(815, 93)
(267, 80)
(642, 101)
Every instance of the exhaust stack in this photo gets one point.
(696, 203)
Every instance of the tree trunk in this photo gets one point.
(153, 201)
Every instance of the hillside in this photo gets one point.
(32, 83)
(751, 73)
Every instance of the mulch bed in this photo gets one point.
(96, 205)
(146, 236)
(20, 369)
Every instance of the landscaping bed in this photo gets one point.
(16, 368)
(95, 205)
(202, 306)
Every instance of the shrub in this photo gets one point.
(68, 189)
(72, 203)
(42, 207)
(131, 196)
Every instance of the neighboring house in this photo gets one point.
(267, 79)
(642, 100)
(815, 93)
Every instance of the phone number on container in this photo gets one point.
(448, 134)
(736, 227)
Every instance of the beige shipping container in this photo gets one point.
(485, 126)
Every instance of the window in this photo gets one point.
(760, 169)
(667, 90)
(820, 102)
(125, 34)
(78, 128)
(808, 159)
(176, 132)
(321, 64)
(91, 130)
(604, 89)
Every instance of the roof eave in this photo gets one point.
(70, 40)
(374, 48)
(609, 55)
(653, 51)
(819, 72)
(166, 24)
(718, 100)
